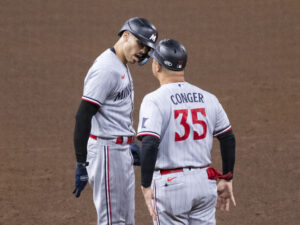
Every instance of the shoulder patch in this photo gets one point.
(144, 121)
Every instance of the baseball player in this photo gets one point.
(104, 130)
(177, 123)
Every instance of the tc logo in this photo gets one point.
(153, 37)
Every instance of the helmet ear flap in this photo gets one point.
(143, 59)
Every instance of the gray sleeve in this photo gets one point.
(98, 85)
(222, 122)
(150, 118)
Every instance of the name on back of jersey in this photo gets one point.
(180, 98)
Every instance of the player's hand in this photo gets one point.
(225, 195)
(149, 196)
(81, 178)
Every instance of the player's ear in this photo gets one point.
(125, 35)
(159, 67)
(156, 66)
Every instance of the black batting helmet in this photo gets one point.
(142, 29)
(170, 54)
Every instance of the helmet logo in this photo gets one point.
(153, 37)
(168, 63)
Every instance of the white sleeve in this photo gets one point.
(150, 119)
(98, 85)
(222, 122)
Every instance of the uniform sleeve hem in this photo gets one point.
(222, 131)
(147, 133)
(94, 101)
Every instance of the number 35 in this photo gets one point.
(186, 126)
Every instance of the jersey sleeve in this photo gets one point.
(150, 119)
(98, 85)
(222, 122)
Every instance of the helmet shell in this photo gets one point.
(170, 54)
(142, 29)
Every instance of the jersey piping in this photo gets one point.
(222, 131)
(91, 100)
(148, 133)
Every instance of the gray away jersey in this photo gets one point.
(185, 118)
(108, 84)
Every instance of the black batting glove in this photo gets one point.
(81, 178)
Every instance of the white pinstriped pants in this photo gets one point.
(111, 176)
(185, 198)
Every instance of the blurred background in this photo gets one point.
(245, 52)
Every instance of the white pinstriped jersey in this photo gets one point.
(108, 84)
(185, 118)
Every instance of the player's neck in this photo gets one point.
(170, 79)
(119, 52)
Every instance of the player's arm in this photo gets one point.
(226, 138)
(227, 147)
(225, 190)
(81, 135)
(82, 130)
(149, 152)
(149, 130)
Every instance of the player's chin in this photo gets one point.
(132, 62)
(134, 59)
